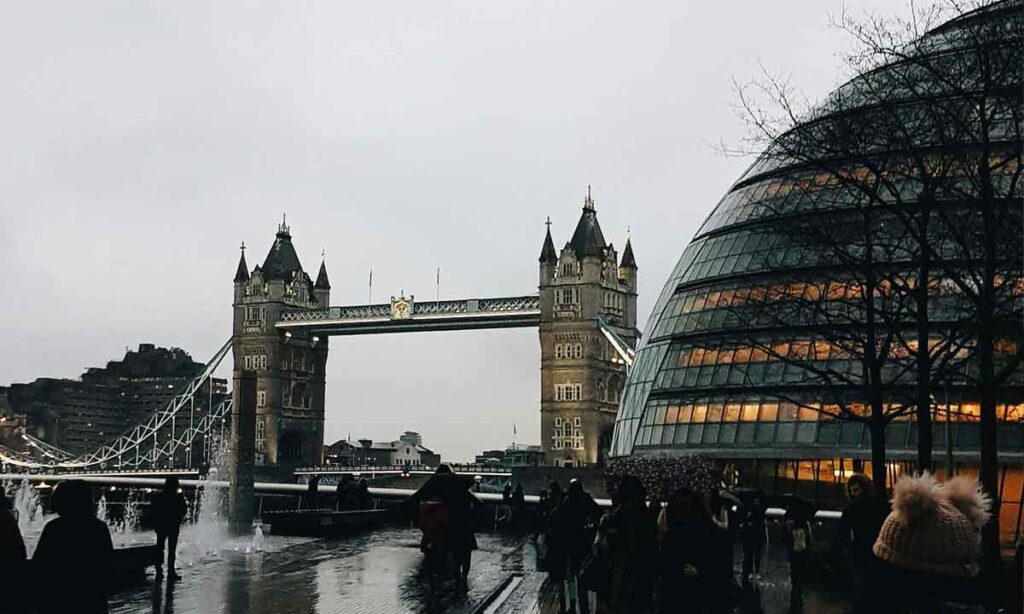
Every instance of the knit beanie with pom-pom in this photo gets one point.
(935, 527)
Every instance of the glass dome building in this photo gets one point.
(754, 352)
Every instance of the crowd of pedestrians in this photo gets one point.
(677, 555)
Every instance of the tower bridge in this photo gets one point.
(584, 311)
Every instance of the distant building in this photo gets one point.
(408, 449)
(516, 455)
(81, 415)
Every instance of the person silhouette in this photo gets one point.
(12, 546)
(12, 557)
(74, 559)
(168, 509)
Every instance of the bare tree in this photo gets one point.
(924, 140)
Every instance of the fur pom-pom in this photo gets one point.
(967, 495)
(915, 497)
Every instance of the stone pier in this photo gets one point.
(241, 497)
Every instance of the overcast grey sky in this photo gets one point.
(142, 142)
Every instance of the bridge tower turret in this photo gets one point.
(289, 366)
(581, 374)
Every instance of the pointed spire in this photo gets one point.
(548, 253)
(628, 261)
(588, 240)
(242, 274)
(281, 262)
(322, 283)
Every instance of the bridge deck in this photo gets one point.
(461, 314)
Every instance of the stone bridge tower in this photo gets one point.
(289, 366)
(581, 374)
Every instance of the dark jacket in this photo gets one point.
(73, 564)
(574, 522)
(630, 534)
(168, 510)
(12, 546)
(696, 566)
(453, 491)
(859, 526)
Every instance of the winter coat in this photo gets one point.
(574, 522)
(453, 491)
(859, 527)
(74, 563)
(695, 566)
(12, 547)
(631, 535)
(168, 510)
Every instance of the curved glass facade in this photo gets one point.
(720, 374)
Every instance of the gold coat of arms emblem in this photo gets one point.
(401, 307)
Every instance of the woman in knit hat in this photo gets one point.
(930, 544)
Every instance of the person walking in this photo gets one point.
(630, 536)
(695, 558)
(797, 536)
(168, 509)
(459, 505)
(518, 504)
(754, 536)
(73, 561)
(858, 528)
(575, 522)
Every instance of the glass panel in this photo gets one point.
(769, 411)
(745, 432)
(732, 412)
(808, 415)
(806, 431)
(667, 434)
(681, 431)
(671, 414)
(749, 412)
(699, 413)
(728, 434)
(715, 412)
(765, 432)
(785, 432)
(696, 430)
(711, 432)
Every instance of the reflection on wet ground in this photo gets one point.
(380, 573)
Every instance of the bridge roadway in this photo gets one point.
(459, 314)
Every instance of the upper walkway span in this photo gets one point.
(407, 315)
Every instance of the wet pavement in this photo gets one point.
(380, 573)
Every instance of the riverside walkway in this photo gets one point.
(380, 573)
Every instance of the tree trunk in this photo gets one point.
(989, 470)
(924, 358)
(876, 427)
